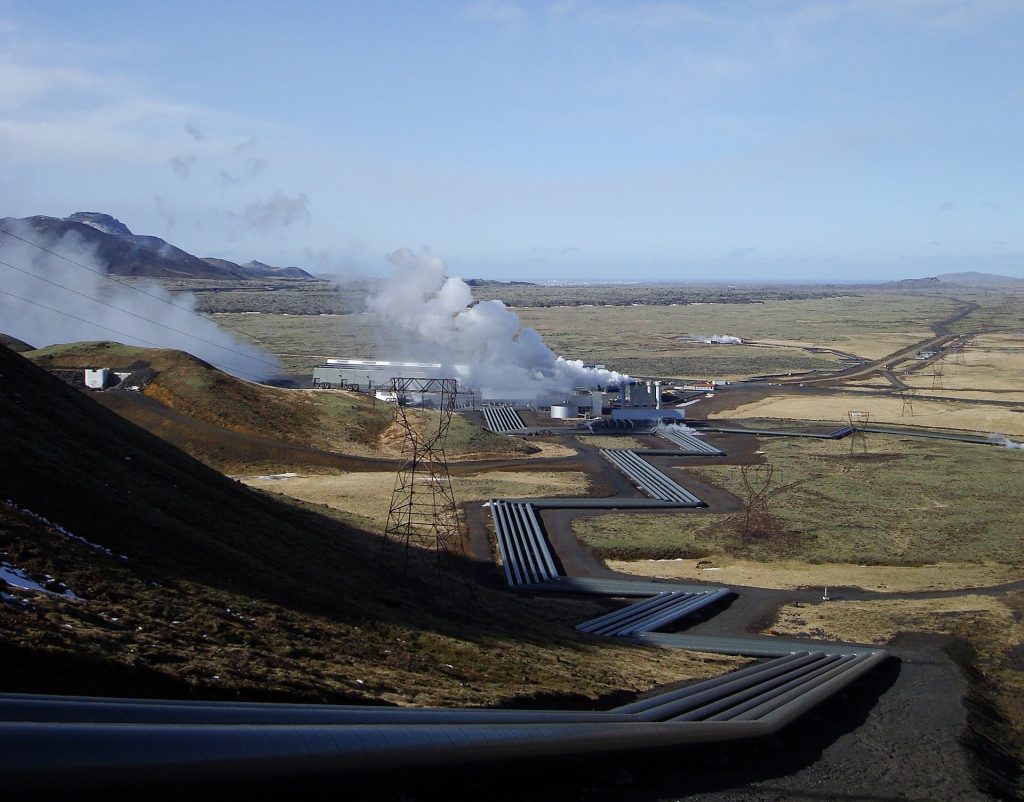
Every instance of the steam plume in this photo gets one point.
(153, 319)
(1006, 442)
(484, 344)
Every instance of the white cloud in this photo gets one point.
(24, 85)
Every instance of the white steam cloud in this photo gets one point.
(483, 344)
(1006, 442)
(45, 300)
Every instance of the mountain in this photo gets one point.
(256, 269)
(487, 282)
(128, 254)
(259, 268)
(948, 280)
(975, 279)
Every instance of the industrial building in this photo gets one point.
(641, 401)
(365, 375)
(638, 402)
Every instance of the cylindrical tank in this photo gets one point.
(562, 411)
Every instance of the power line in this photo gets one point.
(97, 325)
(140, 317)
(116, 280)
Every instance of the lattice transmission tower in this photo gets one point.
(857, 420)
(755, 520)
(423, 511)
(907, 396)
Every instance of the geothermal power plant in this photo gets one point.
(633, 400)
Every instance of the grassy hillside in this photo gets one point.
(187, 583)
(237, 426)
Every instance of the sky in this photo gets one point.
(837, 140)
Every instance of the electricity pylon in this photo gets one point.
(423, 511)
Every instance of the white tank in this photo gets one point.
(562, 411)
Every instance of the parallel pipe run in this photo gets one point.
(765, 690)
(801, 703)
(651, 702)
(687, 443)
(533, 527)
(648, 478)
(776, 696)
(620, 588)
(610, 623)
(502, 418)
(753, 646)
(681, 610)
(698, 695)
(512, 573)
(524, 550)
(523, 547)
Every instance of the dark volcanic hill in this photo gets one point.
(16, 345)
(127, 254)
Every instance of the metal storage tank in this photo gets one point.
(563, 411)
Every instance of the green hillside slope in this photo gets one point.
(237, 426)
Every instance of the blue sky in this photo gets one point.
(837, 140)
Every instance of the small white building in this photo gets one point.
(98, 378)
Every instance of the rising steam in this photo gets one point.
(484, 344)
(1006, 442)
(34, 283)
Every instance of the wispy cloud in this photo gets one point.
(182, 165)
(278, 211)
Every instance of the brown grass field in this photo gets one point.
(795, 575)
(910, 504)
(890, 409)
(366, 495)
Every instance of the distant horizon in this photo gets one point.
(724, 282)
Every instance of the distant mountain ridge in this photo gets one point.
(975, 279)
(965, 279)
(128, 254)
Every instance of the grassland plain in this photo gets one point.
(903, 503)
(821, 321)
(366, 495)
(619, 441)
(798, 575)
(834, 407)
(992, 368)
(645, 339)
(275, 295)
